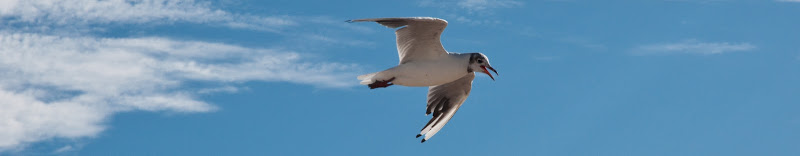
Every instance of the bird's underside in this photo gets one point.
(424, 62)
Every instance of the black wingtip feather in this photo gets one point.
(418, 135)
(423, 141)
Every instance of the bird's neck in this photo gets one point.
(466, 58)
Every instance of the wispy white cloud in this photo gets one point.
(482, 5)
(68, 85)
(26, 119)
(471, 11)
(473, 6)
(475, 21)
(82, 12)
(84, 15)
(63, 149)
(223, 89)
(692, 46)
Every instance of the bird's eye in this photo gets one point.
(480, 61)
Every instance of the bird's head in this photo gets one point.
(479, 63)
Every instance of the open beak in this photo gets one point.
(487, 71)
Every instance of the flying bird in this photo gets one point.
(424, 62)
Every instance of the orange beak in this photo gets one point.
(487, 71)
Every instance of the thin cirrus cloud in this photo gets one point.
(56, 85)
(82, 12)
(692, 46)
(47, 80)
(472, 6)
(471, 11)
(482, 5)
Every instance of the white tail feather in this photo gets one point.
(367, 78)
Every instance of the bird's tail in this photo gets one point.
(367, 78)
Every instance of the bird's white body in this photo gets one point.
(419, 73)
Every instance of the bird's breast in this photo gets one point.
(429, 73)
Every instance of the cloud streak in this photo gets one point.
(66, 87)
(58, 83)
(473, 6)
(692, 46)
(482, 5)
(84, 12)
(471, 11)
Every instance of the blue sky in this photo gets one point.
(199, 77)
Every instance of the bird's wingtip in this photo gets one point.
(418, 135)
(423, 141)
(349, 21)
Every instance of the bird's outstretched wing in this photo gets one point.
(418, 40)
(443, 101)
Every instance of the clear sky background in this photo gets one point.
(278, 77)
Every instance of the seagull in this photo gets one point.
(424, 62)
